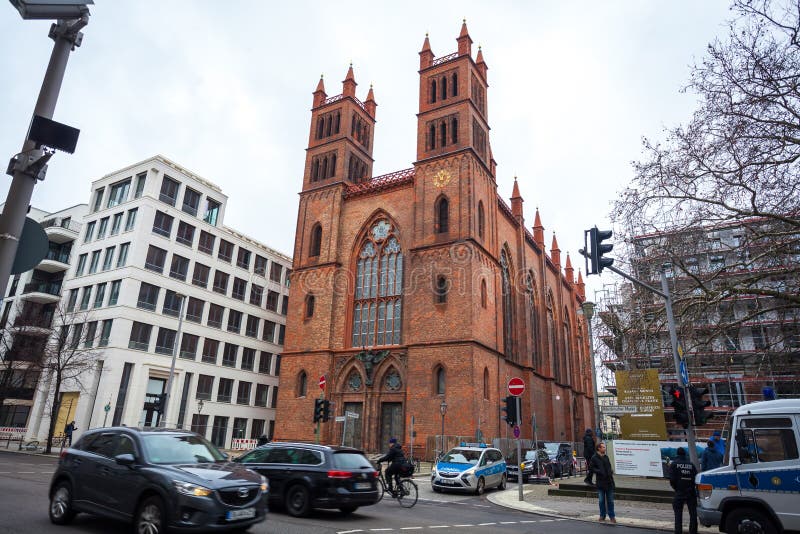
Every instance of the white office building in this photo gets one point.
(153, 243)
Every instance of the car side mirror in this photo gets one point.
(125, 459)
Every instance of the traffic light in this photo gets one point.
(699, 405)
(326, 410)
(511, 409)
(681, 410)
(319, 409)
(598, 249)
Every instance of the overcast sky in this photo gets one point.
(223, 88)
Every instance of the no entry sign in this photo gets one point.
(322, 382)
(516, 386)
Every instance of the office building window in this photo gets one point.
(243, 393)
(205, 385)
(105, 334)
(108, 259)
(248, 358)
(116, 224)
(225, 252)
(89, 231)
(274, 399)
(194, 310)
(141, 179)
(165, 341)
(212, 211)
(91, 334)
(257, 428)
(206, 243)
(265, 363)
(275, 272)
(262, 392)
(140, 336)
(272, 301)
(95, 262)
(172, 304)
(185, 234)
(113, 297)
(101, 230)
(210, 350)
(71, 302)
(229, 353)
(220, 282)
(260, 266)
(162, 224)
(239, 289)
(119, 193)
(243, 258)
(285, 305)
(256, 294)
(169, 191)
(148, 296)
(86, 297)
(179, 267)
(100, 295)
(269, 331)
(225, 390)
(281, 333)
(98, 199)
(200, 275)
(251, 329)
(122, 259)
(191, 201)
(81, 264)
(189, 346)
(130, 221)
(234, 321)
(215, 312)
(155, 259)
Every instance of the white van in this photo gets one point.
(757, 489)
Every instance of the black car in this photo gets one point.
(303, 476)
(158, 479)
(529, 466)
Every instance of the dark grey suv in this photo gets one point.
(157, 478)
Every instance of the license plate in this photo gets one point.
(244, 513)
(363, 485)
(448, 482)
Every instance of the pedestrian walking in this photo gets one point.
(711, 458)
(604, 480)
(588, 452)
(681, 477)
(68, 430)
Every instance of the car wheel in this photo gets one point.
(480, 487)
(502, 485)
(749, 520)
(151, 517)
(297, 501)
(347, 510)
(61, 511)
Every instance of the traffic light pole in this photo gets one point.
(673, 339)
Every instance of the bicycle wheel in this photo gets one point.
(381, 489)
(408, 494)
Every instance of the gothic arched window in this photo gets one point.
(483, 294)
(332, 170)
(441, 290)
(485, 383)
(440, 380)
(508, 306)
(533, 318)
(454, 130)
(551, 339)
(316, 241)
(338, 120)
(310, 302)
(443, 133)
(433, 91)
(379, 288)
(442, 216)
(566, 348)
(432, 136)
(444, 87)
(481, 219)
(455, 84)
(302, 384)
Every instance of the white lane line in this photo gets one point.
(439, 526)
(486, 524)
(528, 521)
(26, 472)
(410, 528)
(508, 522)
(349, 531)
(381, 529)
(463, 525)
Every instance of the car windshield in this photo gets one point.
(528, 455)
(179, 449)
(461, 456)
(350, 460)
(551, 448)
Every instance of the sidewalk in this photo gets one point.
(656, 516)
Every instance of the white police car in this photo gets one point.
(470, 467)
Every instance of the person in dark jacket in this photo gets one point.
(395, 458)
(681, 477)
(711, 458)
(263, 440)
(588, 452)
(604, 480)
(68, 430)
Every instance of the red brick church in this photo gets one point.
(423, 285)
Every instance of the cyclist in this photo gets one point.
(395, 458)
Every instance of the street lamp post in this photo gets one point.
(175, 348)
(443, 410)
(29, 165)
(588, 312)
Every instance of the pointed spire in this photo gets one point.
(349, 83)
(581, 286)
(555, 252)
(516, 201)
(568, 271)
(319, 93)
(538, 230)
(370, 103)
(426, 54)
(481, 63)
(464, 41)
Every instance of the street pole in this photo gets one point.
(443, 410)
(67, 35)
(588, 312)
(175, 348)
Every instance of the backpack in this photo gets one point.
(406, 468)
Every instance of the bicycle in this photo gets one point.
(406, 491)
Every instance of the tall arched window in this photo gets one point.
(338, 120)
(444, 87)
(566, 348)
(454, 130)
(379, 288)
(441, 290)
(433, 91)
(484, 296)
(332, 169)
(485, 383)
(310, 302)
(324, 168)
(481, 219)
(455, 84)
(443, 133)
(508, 306)
(533, 319)
(442, 215)
(328, 126)
(320, 127)
(302, 384)
(551, 339)
(440, 380)
(316, 241)
(432, 136)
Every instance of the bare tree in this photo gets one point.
(69, 357)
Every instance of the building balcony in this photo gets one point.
(61, 230)
(42, 292)
(54, 262)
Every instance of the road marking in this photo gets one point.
(410, 528)
(26, 472)
(439, 526)
(508, 522)
(380, 529)
(486, 524)
(349, 531)
(463, 525)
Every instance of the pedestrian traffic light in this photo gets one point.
(598, 249)
(326, 410)
(699, 405)
(681, 410)
(319, 408)
(511, 409)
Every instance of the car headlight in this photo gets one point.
(264, 485)
(193, 490)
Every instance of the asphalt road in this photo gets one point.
(24, 480)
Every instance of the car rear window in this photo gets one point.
(350, 460)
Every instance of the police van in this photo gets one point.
(471, 467)
(757, 489)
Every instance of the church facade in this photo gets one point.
(423, 287)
